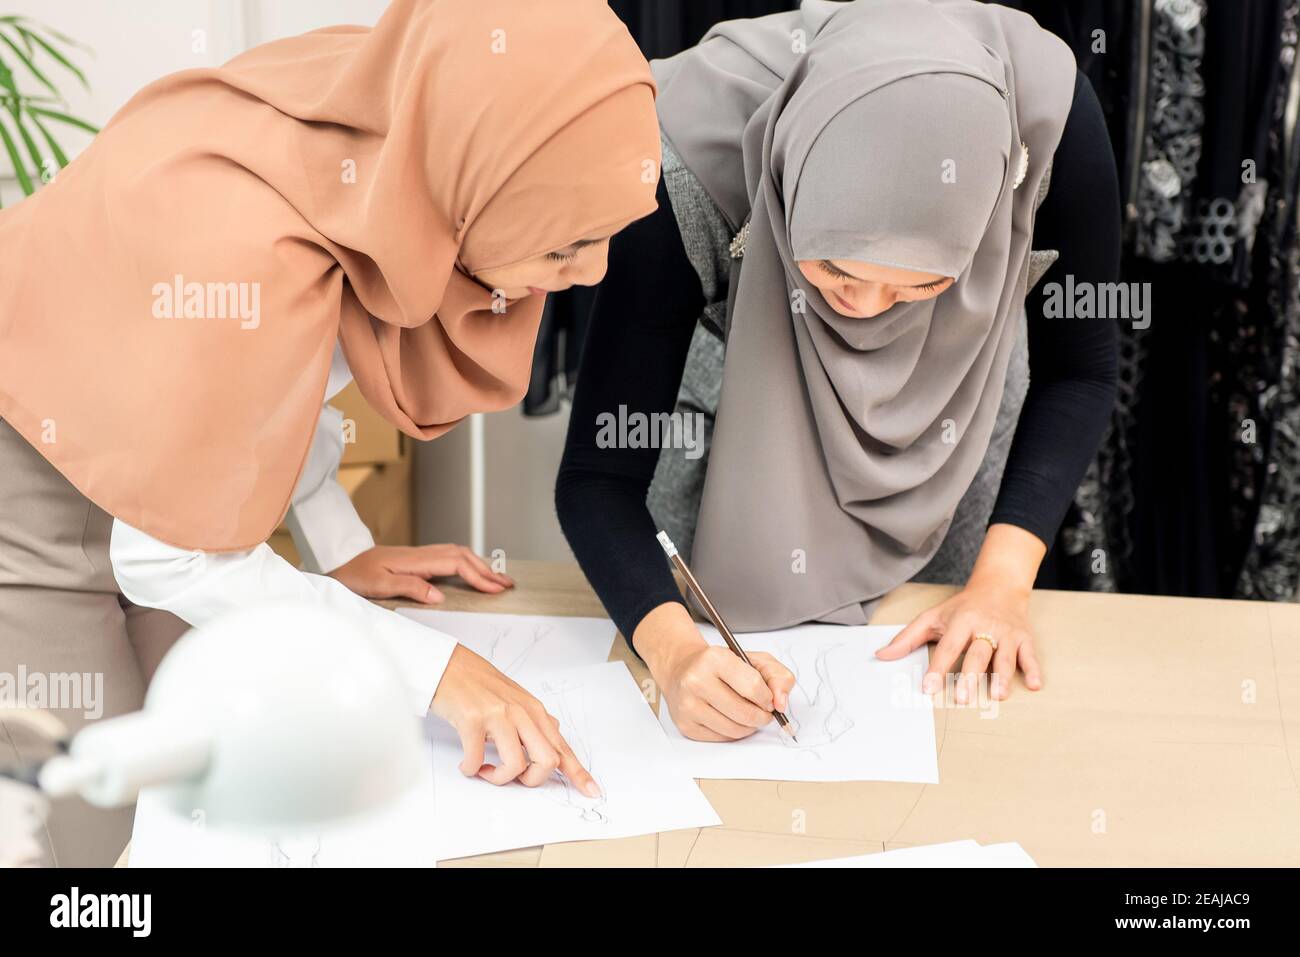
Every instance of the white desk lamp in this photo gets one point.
(274, 718)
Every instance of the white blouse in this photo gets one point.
(199, 586)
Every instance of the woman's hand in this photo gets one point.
(711, 694)
(981, 608)
(391, 571)
(994, 603)
(484, 705)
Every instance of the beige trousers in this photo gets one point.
(65, 626)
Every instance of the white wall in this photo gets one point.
(272, 19)
(137, 41)
(521, 459)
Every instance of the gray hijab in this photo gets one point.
(885, 131)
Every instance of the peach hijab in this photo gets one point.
(169, 304)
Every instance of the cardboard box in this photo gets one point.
(382, 495)
(369, 438)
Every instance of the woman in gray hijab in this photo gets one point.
(856, 187)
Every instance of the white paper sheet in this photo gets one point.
(605, 719)
(1009, 854)
(951, 854)
(398, 836)
(857, 718)
(524, 644)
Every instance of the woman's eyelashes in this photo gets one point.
(834, 271)
(562, 256)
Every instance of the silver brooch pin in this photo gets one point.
(1023, 170)
(737, 247)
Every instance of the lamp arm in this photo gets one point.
(110, 761)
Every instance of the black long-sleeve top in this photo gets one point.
(644, 317)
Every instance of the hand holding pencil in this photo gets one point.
(714, 693)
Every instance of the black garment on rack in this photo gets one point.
(1099, 34)
(662, 28)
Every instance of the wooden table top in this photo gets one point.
(1167, 733)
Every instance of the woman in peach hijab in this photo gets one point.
(387, 204)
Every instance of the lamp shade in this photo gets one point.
(276, 717)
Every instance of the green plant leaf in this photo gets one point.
(27, 43)
(28, 40)
(60, 157)
(64, 118)
(28, 62)
(38, 160)
(30, 24)
(7, 80)
(32, 98)
(57, 56)
(24, 180)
